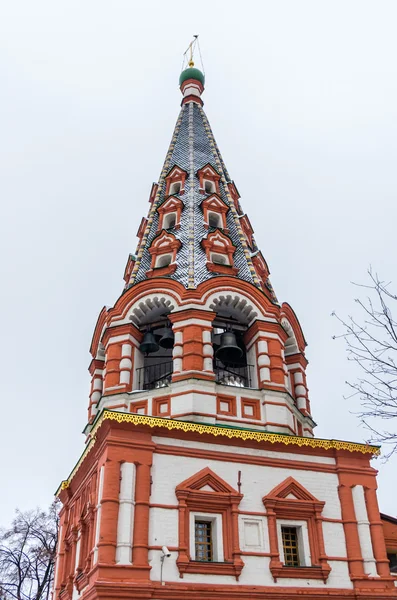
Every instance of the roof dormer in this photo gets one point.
(170, 213)
(163, 251)
(219, 250)
(175, 181)
(215, 210)
(208, 180)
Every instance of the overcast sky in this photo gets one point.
(302, 98)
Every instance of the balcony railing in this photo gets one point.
(238, 375)
(153, 377)
(156, 376)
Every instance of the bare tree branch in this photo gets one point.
(27, 555)
(371, 343)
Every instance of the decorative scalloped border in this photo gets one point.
(242, 434)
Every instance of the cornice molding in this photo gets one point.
(216, 431)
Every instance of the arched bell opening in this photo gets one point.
(231, 365)
(154, 365)
(156, 355)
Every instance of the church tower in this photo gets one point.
(201, 475)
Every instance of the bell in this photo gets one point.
(167, 340)
(229, 352)
(149, 343)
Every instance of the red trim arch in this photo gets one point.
(96, 336)
(289, 314)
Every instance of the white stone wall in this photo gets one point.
(170, 470)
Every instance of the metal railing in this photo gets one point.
(238, 375)
(153, 377)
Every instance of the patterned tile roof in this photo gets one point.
(193, 147)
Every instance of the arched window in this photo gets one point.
(170, 213)
(175, 187)
(219, 259)
(163, 261)
(209, 187)
(175, 181)
(219, 250)
(169, 220)
(163, 250)
(214, 220)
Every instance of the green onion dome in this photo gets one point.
(191, 73)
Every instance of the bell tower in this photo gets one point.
(201, 474)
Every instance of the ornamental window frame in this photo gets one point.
(210, 175)
(164, 245)
(171, 206)
(214, 205)
(175, 176)
(205, 496)
(288, 505)
(247, 230)
(216, 244)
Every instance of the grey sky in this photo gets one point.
(302, 98)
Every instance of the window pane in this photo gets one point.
(290, 546)
(203, 541)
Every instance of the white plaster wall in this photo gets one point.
(168, 471)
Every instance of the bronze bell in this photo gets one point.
(149, 343)
(167, 340)
(229, 352)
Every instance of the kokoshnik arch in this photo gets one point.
(199, 434)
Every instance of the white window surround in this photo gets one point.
(216, 531)
(169, 220)
(209, 186)
(175, 187)
(305, 559)
(214, 219)
(219, 259)
(163, 260)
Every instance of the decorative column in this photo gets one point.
(140, 551)
(119, 343)
(364, 530)
(109, 513)
(96, 371)
(183, 527)
(269, 339)
(354, 556)
(60, 558)
(377, 537)
(98, 513)
(297, 364)
(126, 514)
(193, 350)
(273, 539)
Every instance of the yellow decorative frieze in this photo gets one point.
(216, 431)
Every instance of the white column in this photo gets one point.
(208, 351)
(126, 514)
(75, 593)
(364, 532)
(178, 351)
(98, 513)
(57, 571)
